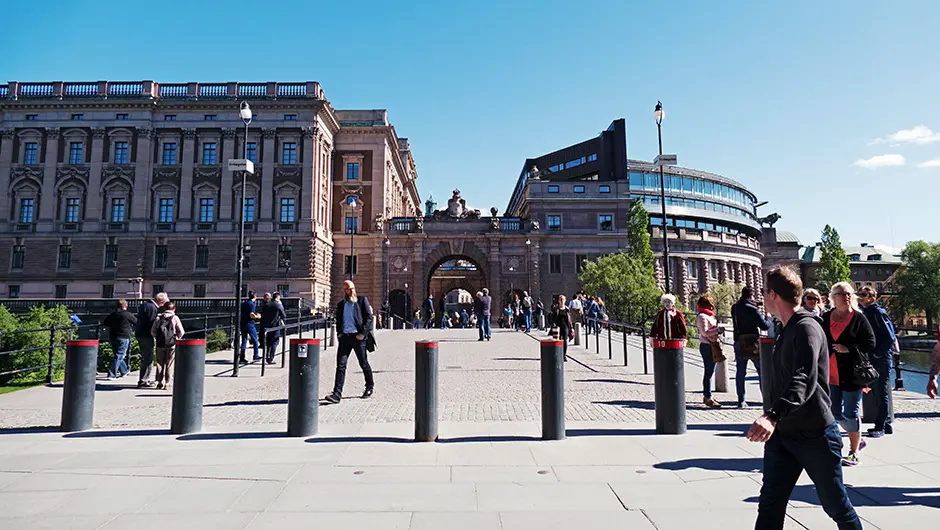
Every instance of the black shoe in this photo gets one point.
(367, 394)
(270, 360)
(242, 360)
(889, 429)
(332, 398)
(479, 340)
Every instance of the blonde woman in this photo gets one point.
(851, 340)
(812, 302)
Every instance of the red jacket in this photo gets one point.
(677, 328)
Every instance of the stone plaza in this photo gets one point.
(488, 470)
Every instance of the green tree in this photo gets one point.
(35, 344)
(724, 295)
(834, 263)
(917, 283)
(627, 285)
(639, 235)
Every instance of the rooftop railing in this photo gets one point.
(154, 90)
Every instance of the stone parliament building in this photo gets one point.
(121, 189)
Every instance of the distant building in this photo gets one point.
(870, 266)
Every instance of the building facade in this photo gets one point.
(122, 188)
(870, 266)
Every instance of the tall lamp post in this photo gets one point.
(658, 115)
(528, 266)
(244, 112)
(352, 202)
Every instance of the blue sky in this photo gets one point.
(826, 109)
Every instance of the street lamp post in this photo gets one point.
(244, 112)
(352, 202)
(528, 266)
(658, 115)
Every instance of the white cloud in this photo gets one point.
(879, 161)
(920, 135)
(930, 163)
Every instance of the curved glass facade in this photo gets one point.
(692, 187)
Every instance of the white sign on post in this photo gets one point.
(665, 160)
(301, 351)
(241, 164)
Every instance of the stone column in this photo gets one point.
(266, 197)
(47, 201)
(736, 267)
(309, 193)
(759, 283)
(228, 196)
(658, 271)
(705, 279)
(188, 154)
(683, 288)
(143, 177)
(95, 194)
(6, 162)
(723, 271)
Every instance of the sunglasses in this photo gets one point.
(841, 294)
(812, 298)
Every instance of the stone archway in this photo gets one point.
(448, 269)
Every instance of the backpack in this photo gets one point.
(527, 302)
(166, 333)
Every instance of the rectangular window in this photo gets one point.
(32, 117)
(693, 268)
(78, 116)
(169, 154)
(202, 256)
(284, 289)
(289, 153)
(110, 256)
(605, 222)
(120, 153)
(698, 186)
(579, 189)
(76, 149)
(287, 210)
(592, 157)
(604, 188)
(712, 270)
(579, 261)
(117, 210)
(65, 256)
(169, 117)
(554, 263)
(553, 222)
(251, 152)
(61, 291)
(18, 257)
(156, 289)
(31, 154)
(107, 290)
(352, 225)
(350, 265)
(206, 210)
(13, 291)
(210, 117)
(208, 154)
(352, 171)
(199, 290)
(249, 209)
(290, 117)
(879, 286)
(166, 210)
(161, 256)
(72, 210)
(121, 116)
(283, 256)
(26, 211)
(687, 185)
(553, 188)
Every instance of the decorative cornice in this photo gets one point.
(7, 134)
(268, 132)
(22, 171)
(145, 132)
(166, 173)
(287, 172)
(208, 172)
(189, 133)
(53, 132)
(98, 132)
(310, 132)
(79, 172)
(110, 172)
(228, 133)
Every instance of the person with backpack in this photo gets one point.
(120, 324)
(146, 314)
(881, 358)
(354, 327)
(272, 316)
(166, 330)
(248, 316)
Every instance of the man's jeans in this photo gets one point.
(270, 344)
(146, 358)
(484, 325)
(881, 389)
(250, 331)
(119, 366)
(740, 376)
(528, 319)
(786, 455)
(348, 344)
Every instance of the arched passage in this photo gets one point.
(450, 276)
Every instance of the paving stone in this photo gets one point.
(338, 521)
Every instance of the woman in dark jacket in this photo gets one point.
(563, 323)
(850, 339)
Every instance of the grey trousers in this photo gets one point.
(146, 358)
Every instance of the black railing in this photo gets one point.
(389, 320)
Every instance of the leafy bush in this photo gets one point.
(217, 340)
(36, 342)
(106, 356)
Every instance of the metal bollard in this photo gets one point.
(332, 334)
(426, 390)
(303, 387)
(626, 359)
(669, 380)
(610, 345)
(189, 377)
(898, 378)
(577, 333)
(553, 390)
(766, 365)
(721, 375)
(78, 392)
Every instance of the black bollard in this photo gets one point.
(669, 380)
(303, 387)
(189, 375)
(78, 392)
(766, 365)
(426, 390)
(553, 390)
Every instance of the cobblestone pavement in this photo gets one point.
(479, 381)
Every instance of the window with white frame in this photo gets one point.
(121, 153)
(26, 210)
(605, 222)
(352, 171)
(72, 209)
(118, 207)
(288, 209)
(31, 153)
(76, 152)
(289, 153)
(209, 157)
(553, 222)
(206, 210)
(169, 154)
(165, 210)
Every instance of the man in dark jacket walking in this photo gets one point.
(146, 315)
(881, 359)
(354, 325)
(272, 316)
(121, 324)
(747, 322)
(428, 308)
(797, 427)
(483, 308)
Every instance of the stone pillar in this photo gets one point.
(736, 267)
(683, 288)
(309, 196)
(143, 173)
(188, 154)
(758, 283)
(659, 272)
(95, 194)
(705, 279)
(266, 197)
(47, 201)
(6, 161)
(229, 198)
(723, 271)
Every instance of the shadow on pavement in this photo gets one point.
(630, 403)
(746, 465)
(29, 430)
(516, 359)
(353, 439)
(921, 415)
(613, 381)
(574, 433)
(488, 438)
(248, 402)
(231, 436)
(873, 496)
(117, 434)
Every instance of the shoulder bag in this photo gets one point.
(718, 353)
(863, 373)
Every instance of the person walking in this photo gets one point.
(812, 302)
(417, 319)
(564, 324)
(747, 322)
(934, 371)
(708, 331)
(527, 311)
(575, 309)
(120, 324)
(797, 428)
(428, 308)
(249, 331)
(166, 330)
(354, 327)
(591, 313)
(146, 314)
(272, 316)
(464, 319)
(881, 359)
(483, 315)
(851, 340)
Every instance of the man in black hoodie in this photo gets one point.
(747, 322)
(797, 426)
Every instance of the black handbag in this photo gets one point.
(370, 343)
(863, 373)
